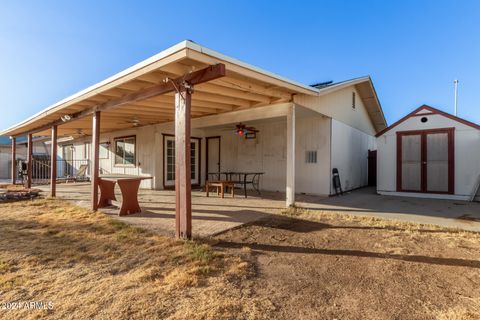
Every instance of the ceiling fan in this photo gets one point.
(80, 133)
(134, 121)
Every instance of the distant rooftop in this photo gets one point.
(5, 140)
(322, 84)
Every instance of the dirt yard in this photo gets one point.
(331, 266)
(299, 265)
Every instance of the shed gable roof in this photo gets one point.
(428, 110)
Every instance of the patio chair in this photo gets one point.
(82, 173)
(80, 176)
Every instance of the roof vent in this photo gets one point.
(321, 84)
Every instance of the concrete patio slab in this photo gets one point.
(214, 215)
(211, 215)
(447, 213)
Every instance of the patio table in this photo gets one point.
(240, 178)
(129, 185)
(220, 185)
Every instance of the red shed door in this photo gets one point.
(425, 161)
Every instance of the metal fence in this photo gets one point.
(66, 170)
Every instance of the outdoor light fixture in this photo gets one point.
(243, 131)
(66, 118)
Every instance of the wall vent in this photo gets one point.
(311, 156)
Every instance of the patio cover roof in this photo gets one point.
(244, 86)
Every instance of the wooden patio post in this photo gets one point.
(183, 187)
(14, 160)
(53, 162)
(290, 192)
(29, 160)
(94, 157)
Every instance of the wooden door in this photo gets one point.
(437, 162)
(425, 161)
(411, 162)
(372, 168)
(213, 155)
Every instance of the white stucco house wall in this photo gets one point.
(429, 153)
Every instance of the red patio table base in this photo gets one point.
(128, 186)
(107, 193)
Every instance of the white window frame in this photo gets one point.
(123, 164)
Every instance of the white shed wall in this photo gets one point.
(467, 153)
(350, 155)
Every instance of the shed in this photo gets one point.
(429, 153)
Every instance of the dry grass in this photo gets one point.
(16, 187)
(92, 266)
(387, 224)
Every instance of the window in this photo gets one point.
(193, 154)
(311, 157)
(125, 151)
(103, 153)
(169, 158)
(353, 100)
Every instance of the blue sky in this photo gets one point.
(413, 50)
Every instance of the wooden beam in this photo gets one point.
(14, 160)
(53, 162)
(245, 85)
(98, 88)
(197, 77)
(230, 92)
(204, 75)
(139, 111)
(221, 99)
(249, 73)
(154, 77)
(95, 158)
(210, 87)
(195, 102)
(183, 188)
(29, 160)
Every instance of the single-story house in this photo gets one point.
(429, 153)
(232, 116)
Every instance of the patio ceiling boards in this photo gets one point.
(243, 86)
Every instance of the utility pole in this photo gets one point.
(455, 82)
